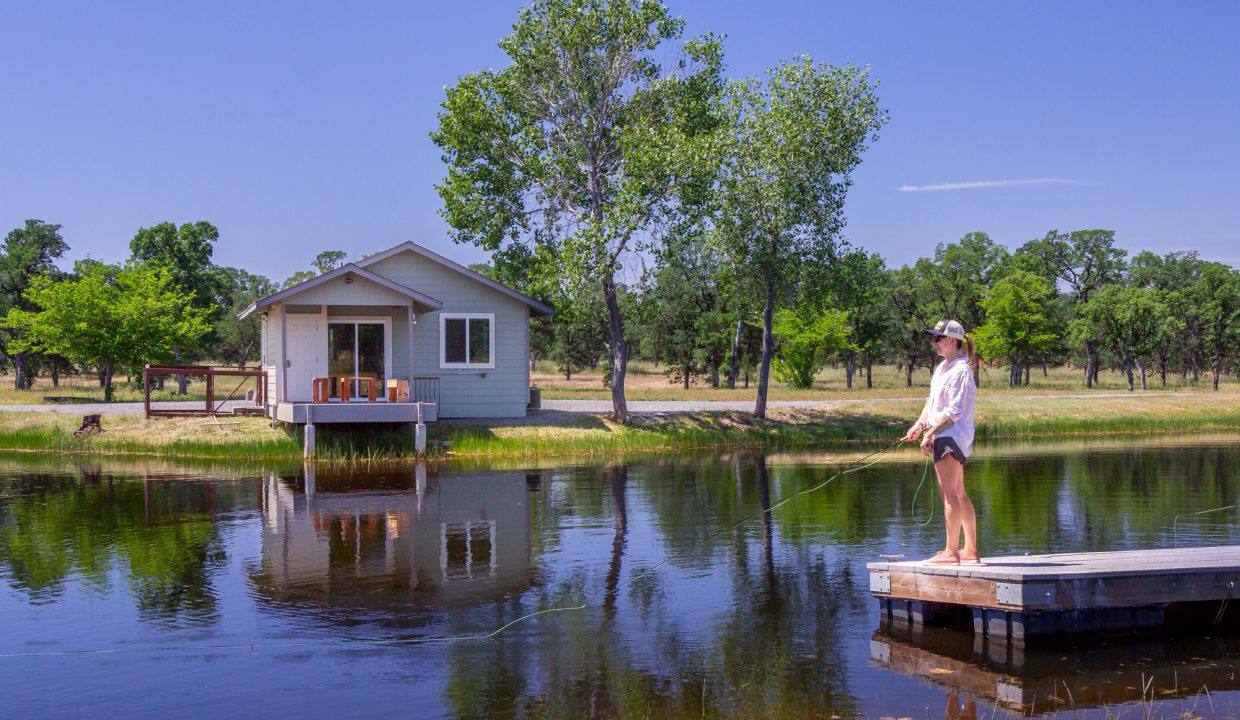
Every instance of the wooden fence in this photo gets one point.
(210, 373)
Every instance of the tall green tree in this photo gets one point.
(860, 285)
(239, 341)
(185, 252)
(1131, 321)
(325, 261)
(1085, 260)
(914, 308)
(1176, 277)
(28, 252)
(576, 141)
(960, 274)
(788, 151)
(110, 319)
(1219, 292)
(1020, 323)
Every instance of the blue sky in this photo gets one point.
(303, 126)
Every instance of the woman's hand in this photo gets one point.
(912, 434)
(927, 444)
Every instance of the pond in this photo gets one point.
(146, 590)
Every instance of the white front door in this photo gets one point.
(305, 344)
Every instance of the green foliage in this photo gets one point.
(807, 337)
(238, 341)
(113, 320)
(28, 252)
(1131, 321)
(786, 157)
(1020, 324)
(325, 261)
(575, 143)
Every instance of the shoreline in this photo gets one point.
(588, 435)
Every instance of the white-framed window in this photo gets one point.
(467, 340)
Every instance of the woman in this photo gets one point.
(946, 429)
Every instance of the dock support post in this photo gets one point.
(307, 445)
(419, 434)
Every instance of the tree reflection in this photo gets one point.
(160, 533)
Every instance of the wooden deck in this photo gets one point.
(1031, 595)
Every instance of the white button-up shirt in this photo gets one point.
(951, 395)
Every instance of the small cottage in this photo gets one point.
(400, 331)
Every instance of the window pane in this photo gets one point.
(480, 340)
(340, 348)
(370, 354)
(454, 340)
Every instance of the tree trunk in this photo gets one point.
(869, 373)
(19, 372)
(768, 344)
(1089, 364)
(1128, 370)
(908, 373)
(734, 365)
(619, 351)
(1026, 376)
(1141, 368)
(182, 379)
(1162, 369)
(1045, 373)
(1218, 365)
(684, 372)
(746, 379)
(108, 371)
(1013, 372)
(850, 367)
(714, 375)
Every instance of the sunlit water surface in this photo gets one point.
(133, 590)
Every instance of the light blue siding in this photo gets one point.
(499, 392)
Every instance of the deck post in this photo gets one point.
(307, 446)
(419, 433)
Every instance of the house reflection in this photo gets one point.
(394, 540)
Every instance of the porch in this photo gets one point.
(309, 413)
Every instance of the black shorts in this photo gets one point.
(944, 446)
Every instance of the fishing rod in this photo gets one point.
(366, 642)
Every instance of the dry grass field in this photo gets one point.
(646, 381)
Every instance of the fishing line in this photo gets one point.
(913, 510)
(1175, 530)
(364, 642)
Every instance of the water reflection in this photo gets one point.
(393, 541)
(1073, 675)
(687, 615)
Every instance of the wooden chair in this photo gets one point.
(321, 389)
(398, 391)
(345, 393)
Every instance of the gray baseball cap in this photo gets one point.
(947, 328)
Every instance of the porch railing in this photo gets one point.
(424, 388)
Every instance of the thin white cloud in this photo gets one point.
(979, 184)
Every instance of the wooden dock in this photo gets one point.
(1025, 596)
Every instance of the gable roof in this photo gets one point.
(413, 247)
(346, 269)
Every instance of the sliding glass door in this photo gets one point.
(356, 349)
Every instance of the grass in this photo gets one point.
(847, 423)
(646, 381)
(851, 422)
